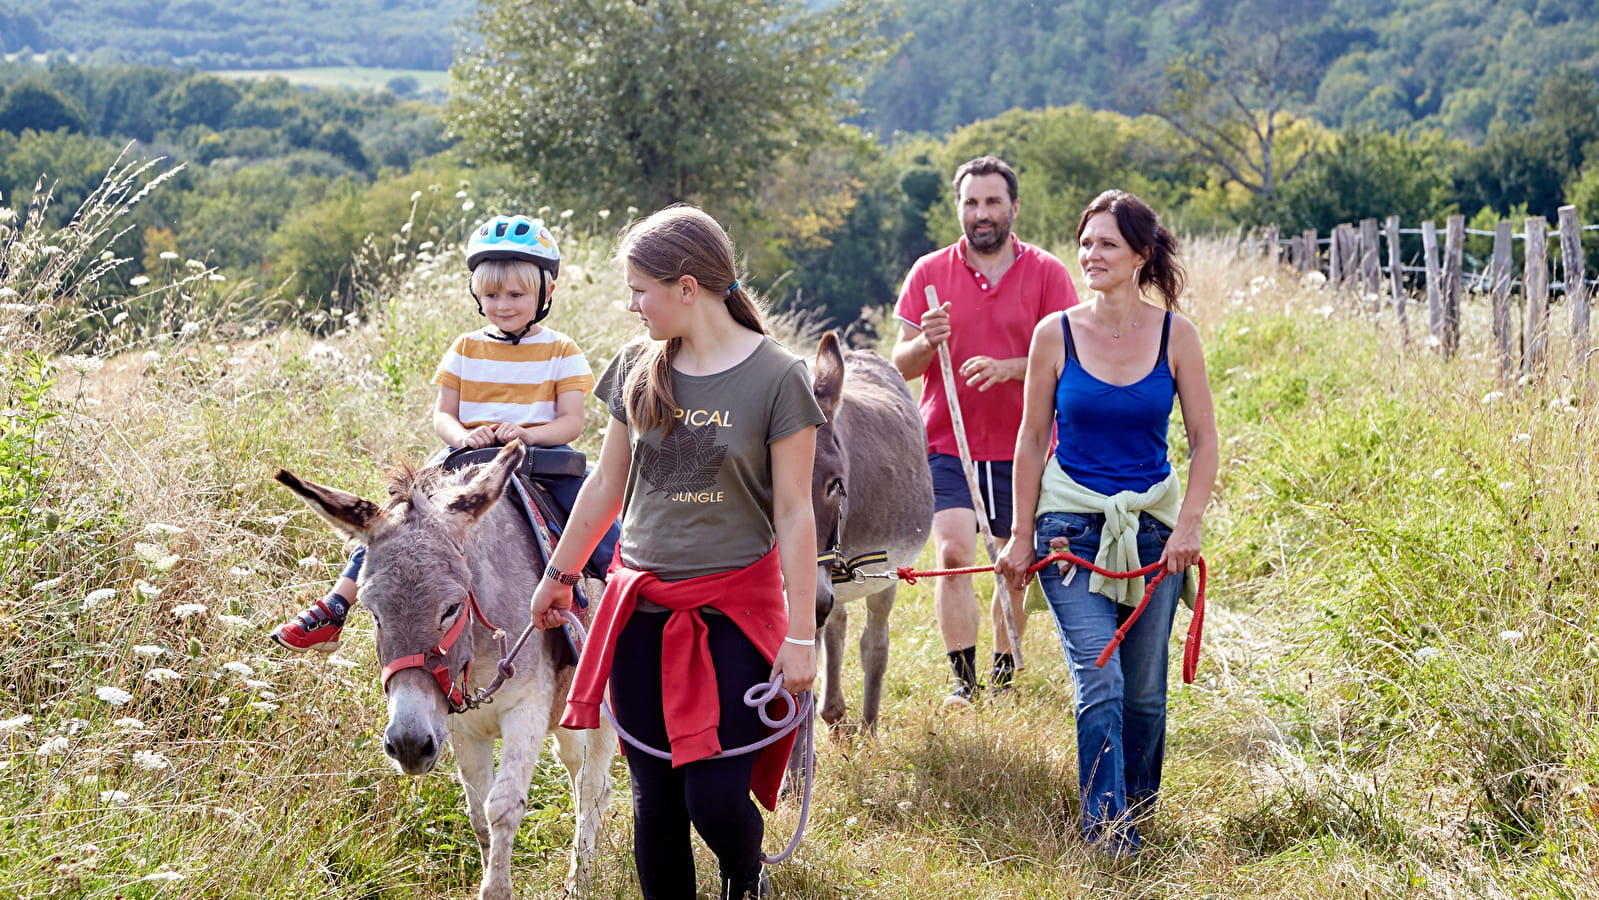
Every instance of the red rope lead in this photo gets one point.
(1196, 626)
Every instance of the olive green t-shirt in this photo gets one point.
(699, 501)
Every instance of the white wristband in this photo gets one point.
(809, 642)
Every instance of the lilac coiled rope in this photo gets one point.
(757, 697)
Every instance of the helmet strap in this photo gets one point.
(475, 298)
(545, 300)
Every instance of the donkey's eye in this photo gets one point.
(835, 487)
(450, 611)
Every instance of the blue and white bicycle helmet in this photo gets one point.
(514, 237)
(519, 238)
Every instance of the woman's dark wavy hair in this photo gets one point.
(1144, 234)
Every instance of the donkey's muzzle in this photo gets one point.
(415, 753)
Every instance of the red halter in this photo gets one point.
(432, 661)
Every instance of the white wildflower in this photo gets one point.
(149, 651)
(216, 276)
(238, 668)
(460, 195)
(98, 596)
(147, 589)
(1520, 438)
(467, 206)
(276, 522)
(115, 798)
(151, 357)
(159, 675)
(425, 245)
(162, 528)
(51, 250)
(1439, 473)
(168, 255)
(120, 318)
(113, 695)
(139, 280)
(1492, 397)
(40, 587)
(264, 706)
(194, 264)
(15, 722)
(84, 366)
(163, 875)
(150, 759)
(52, 747)
(257, 685)
(185, 610)
(415, 196)
(309, 562)
(343, 662)
(604, 214)
(73, 725)
(244, 571)
(1510, 635)
(156, 556)
(236, 622)
(127, 723)
(566, 214)
(189, 329)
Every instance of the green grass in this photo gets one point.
(1397, 696)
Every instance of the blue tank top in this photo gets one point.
(1112, 438)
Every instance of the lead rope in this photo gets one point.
(1196, 625)
(758, 697)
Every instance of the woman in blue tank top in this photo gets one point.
(1105, 374)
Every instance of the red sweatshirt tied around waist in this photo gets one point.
(751, 597)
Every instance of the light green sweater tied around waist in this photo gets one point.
(1118, 542)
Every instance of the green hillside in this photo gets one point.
(1455, 64)
(396, 34)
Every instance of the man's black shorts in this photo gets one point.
(993, 479)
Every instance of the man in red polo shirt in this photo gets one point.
(993, 289)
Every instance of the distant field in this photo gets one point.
(345, 76)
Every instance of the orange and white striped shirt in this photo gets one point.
(514, 383)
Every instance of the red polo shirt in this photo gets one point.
(985, 320)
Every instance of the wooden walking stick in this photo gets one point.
(1000, 590)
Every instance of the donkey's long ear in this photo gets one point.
(485, 487)
(828, 382)
(348, 514)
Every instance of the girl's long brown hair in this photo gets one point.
(672, 243)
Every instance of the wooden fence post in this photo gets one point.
(1273, 251)
(1396, 277)
(1535, 288)
(1348, 257)
(1454, 258)
(1370, 266)
(1312, 252)
(1499, 286)
(1429, 253)
(1576, 288)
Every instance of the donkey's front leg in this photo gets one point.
(874, 653)
(474, 756)
(833, 631)
(521, 741)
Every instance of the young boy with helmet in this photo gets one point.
(513, 379)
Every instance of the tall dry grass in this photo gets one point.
(1397, 696)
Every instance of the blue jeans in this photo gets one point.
(1121, 709)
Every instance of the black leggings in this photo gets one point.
(713, 795)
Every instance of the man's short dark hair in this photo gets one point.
(987, 165)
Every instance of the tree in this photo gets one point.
(1233, 103)
(618, 103)
(1367, 174)
(30, 104)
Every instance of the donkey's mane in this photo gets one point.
(406, 480)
